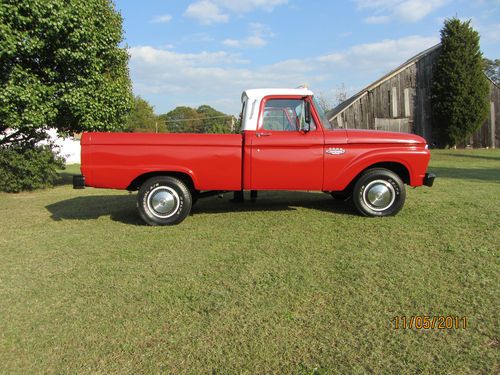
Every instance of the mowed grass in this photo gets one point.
(295, 283)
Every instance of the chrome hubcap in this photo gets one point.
(379, 195)
(163, 201)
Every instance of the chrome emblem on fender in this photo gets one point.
(335, 151)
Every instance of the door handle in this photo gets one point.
(263, 134)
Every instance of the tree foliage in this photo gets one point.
(182, 119)
(214, 121)
(203, 119)
(61, 66)
(460, 88)
(142, 117)
(492, 70)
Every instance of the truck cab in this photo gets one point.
(284, 140)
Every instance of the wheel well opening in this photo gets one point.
(139, 180)
(397, 168)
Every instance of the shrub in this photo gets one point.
(28, 168)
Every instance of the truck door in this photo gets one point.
(283, 155)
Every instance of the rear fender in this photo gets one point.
(126, 177)
(185, 174)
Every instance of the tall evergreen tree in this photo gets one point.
(460, 88)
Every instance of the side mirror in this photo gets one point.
(307, 116)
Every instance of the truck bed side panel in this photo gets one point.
(114, 160)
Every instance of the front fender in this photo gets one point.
(340, 172)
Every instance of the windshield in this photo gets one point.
(322, 116)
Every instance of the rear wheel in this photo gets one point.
(379, 192)
(164, 200)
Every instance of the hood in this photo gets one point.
(379, 136)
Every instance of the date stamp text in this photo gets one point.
(429, 322)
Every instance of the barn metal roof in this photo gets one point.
(347, 103)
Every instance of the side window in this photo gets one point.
(284, 115)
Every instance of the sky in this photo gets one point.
(209, 51)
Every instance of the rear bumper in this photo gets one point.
(79, 182)
(429, 179)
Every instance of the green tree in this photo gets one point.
(214, 121)
(492, 69)
(142, 117)
(182, 120)
(460, 88)
(203, 119)
(61, 66)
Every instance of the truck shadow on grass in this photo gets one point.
(119, 207)
(274, 201)
(122, 208)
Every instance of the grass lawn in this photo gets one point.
(296, 282)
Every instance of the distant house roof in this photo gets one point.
(346, 103)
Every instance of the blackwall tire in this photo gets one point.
(379, 192)
(163, 200)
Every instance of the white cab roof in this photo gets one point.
(253, 98)
(260, 93)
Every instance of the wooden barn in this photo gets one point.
(400, 101)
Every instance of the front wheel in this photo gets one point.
(379, 192)
(164, 200)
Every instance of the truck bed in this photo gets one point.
(115, 160)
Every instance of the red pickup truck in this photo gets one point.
(285, 143)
